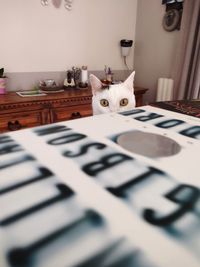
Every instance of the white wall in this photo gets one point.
(155, 48)
(36, 38)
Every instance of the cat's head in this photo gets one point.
(114, 98)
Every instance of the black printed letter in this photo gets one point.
(169, 123)
(150, 116)
(64, 192)
(83, 150)
(51, 130)
(104, 163)
(66, 139)
(185, 196)
(193, 132)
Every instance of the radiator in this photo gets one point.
(165, 89)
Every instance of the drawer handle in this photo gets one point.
(75, 115)
(13, 126)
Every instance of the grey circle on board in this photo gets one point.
(148, 144)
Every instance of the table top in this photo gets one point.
(188, 107)
(116, 188)
(12, 97)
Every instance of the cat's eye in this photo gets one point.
(124, 102)
(104, 102)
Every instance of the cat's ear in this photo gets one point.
(129, 81)
(95, 84)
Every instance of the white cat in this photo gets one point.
(114, 98)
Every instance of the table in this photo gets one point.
(18, 112)
(85, 193)
(187, 107)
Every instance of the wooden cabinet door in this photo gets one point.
(139, 92)
(20, 120)
(70, 113)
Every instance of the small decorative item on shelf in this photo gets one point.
(69, 80)
(73, 78)
(2, 82)
(108, 77)
(68, 4)
(108, 74)
(49, 86)
(50, 83)
(30, 93)
(45, 2)
(84, 77)
(76, 75)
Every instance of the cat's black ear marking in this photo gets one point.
(105, 86)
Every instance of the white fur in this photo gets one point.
(114, 94)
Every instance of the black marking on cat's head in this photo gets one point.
(105, 86)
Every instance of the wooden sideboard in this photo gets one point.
(18, 112)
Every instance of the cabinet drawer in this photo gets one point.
(22, 120)
(66, 113)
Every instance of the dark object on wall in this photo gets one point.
(172, 17)
(171, 20)
(171, 1)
